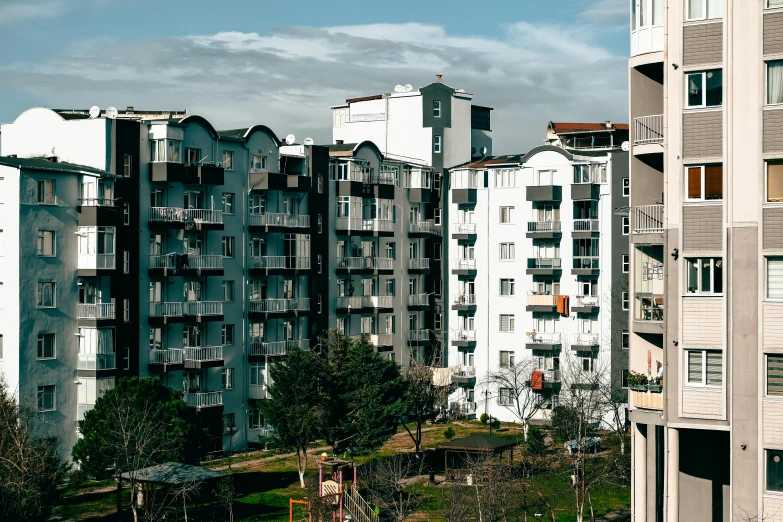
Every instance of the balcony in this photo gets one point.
(276, 348)
(465, 195)
(423, 228)
(543, 229)
(200, 311)
(363, 303)
(586, 266)
(418, 337)
(648, 313)
(585, 191)
(97, 362)
(258, 393)
(381, 178)
(544, 193)
(364, 264)
(279, 306)
(543, 266)
(465, 375)
(260, 180)
(464, 267)
(370, 227)
(186, 264)
(541, 303)
(585, 228)
(649, 38)
(648, 135)
(464, 338)
(203, 357)
(550, 379)
(463, 407)
(585, 304)
(165, 360)
(647, 399)
(585, 342)
(418, 300)
(463, 231)
(278, 221)
(204, 174)
(464, 302)
(89, 264)
(254, 435)
(204, 399)
(548, 342)
(647, 219)
(418, 264)
(188, 218)
(98, 212)
(95, 311)
(377, 340)
(267, 264)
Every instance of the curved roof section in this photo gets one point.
(371, 144)
(513, 159)
(245, 133)
(43, 110)
(203, 121)
(349, 149)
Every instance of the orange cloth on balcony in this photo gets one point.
(562, 304)
(537, 380)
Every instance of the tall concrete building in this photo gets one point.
(705, 94)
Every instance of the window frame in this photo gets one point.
(699, 267)
(767, 259)
(227, 247)
(127, 165)
(626, 187)
(437, 144)
(626, 225)
(767, 452)
(227, 334)
(41, 238)
(625, 263)
(767, 164)
(227, 154)
(687, 5)
(509, 281)
(40, 354)
(436, 109)
(703, 184)
(43, 199)
(40, 293)
(511, 323)
(625, 339)
(42, 389)
(625, 301)
(227, 286)
(228, 203)
(766, 374)
(703, 104)
(510, 212)
(227, 379)
(686, 366)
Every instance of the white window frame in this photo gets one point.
(625, 339)
(626, 225)
(41, 238)
(227, 379)
(626, 263)
(510, 212)
(625, 301)
(39, 290)
(510, 323)
(437, 217)
(127, 165)
(703, 104)
(767, 6)
(41, 345)
(626, 187)
(698, 260)
(701, 198)
(510, 284)
(227, 160)
(436, 109)
(766, 277)
(707, 16)
(228, 203)
(510, 252)
(42, 389)
(686, 368)
(437, 144)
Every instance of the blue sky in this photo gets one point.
(284, 63)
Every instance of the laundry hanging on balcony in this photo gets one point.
(537, 380)
(562, 305)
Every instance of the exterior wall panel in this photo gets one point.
(702, 404)
(702, 322)
(702, 228)
(773, 33)
(702, 134)
(702, 44)
(772, 424)
(773, 131)
(772, 330)
(773, 228)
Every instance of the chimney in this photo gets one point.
(339, 142)
(129, 110)
(609, 124)
(439, 78)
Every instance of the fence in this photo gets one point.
(648, 129)
(95, 311)
(648, 219)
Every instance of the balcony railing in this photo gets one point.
(95, 311)
(101, 361)
(649, 308)
(277, 347)
(280, 262)
(279, 220)
(463, 228)
(464, 264)
(349, 301)
(542, 300)
(648, 129)
(96, 202)
(545, 338)
(188, 308)
(255, 434)
(209, 262)
(419, 300)
(586, 225)
(548, 375)
(648, 400)
(419, 263)
(419, 335)
(185, 215)
(543, 263)
(203, 353)
(466, 372)
(385, 339)
(95, 261)
(586, 339)
(365, 225)
(464, 407)
(294, 304)
(365, 301)
(365, 263)
(586, 300)
(382, 178)
(465, 335)
(648, 219)
(204, 399)
(423, 227)
(543, 226)
(167, 356)
(465, 299)
(257, 392)
(586, 262)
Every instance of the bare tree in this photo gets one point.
(523, 402)
(226, 494)
(424, 399)
(386, 480)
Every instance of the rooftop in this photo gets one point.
(568, 127)
(51, 166)
(478, 442)
(174, 474)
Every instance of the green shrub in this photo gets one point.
(536, 443)
(449, 433)
(484, 418)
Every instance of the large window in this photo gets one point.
(506, 215)
(507, 251)
(46, 398)
(775, 82)
(704, 367)
(507, 323)
(775, 375)
(46, 295)
(704, 89)
(775, 182)
(649, 12)
(774, 470)
(46, 346)
(45, 243)
(704, 275)
(46, 192)
(703, 9)
(775, 278)
(704, 182)
(166, 150)
(507, 287)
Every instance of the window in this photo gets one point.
(704, 275)
(438, 322)
(166, 150)
(505, 178)
(437, 217)
(46, 349)
(228, 160)
(506, 215)
(775, 375)
(437, 143)
(506, 287)
(45, 243)
(774, 470)
(543, 178)
(624, 382)
(704, 89)
(626, 187)
(320, 262)
(258, 163)
(126, 310)
(391, 250)
(255, 420)
(774, 3)
(437, 251)
(775, 278)
(624, 300)
(507, 323)
(625, 339)
(46, 192)
(626, 225)
(506, 359)
(228, 246)
(505, 396)
(704, 367)
(192, 156)
(1, 347)
(46, 399)
(46, 295)
(626, 263)
(227, 334)
(775, 182)
(228, 290)
(228, 203)
(228, 380)
(507, 252)
(705, 182)
(391, 324)
(127, 164)
(436, 109)
(320, 184)
(390, 287)
(436, 181)
(343, 206)
(125, 262)
(702, 9)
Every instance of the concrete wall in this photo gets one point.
(704, 491)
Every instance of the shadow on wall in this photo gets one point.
(704, 475)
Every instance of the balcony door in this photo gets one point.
(468, 322)
(194, 199)
(547, 250)
(191, 336)
(547, 213)
(193, 245)
(257, 290)
(192, 291)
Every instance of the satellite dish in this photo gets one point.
(408, 87)
(95, 111)
(308, 141)
(626, 146)
(483, 151)
(111, 112)
(290, 139)
(399, 88)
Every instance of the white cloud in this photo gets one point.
(611, 11)
(287, 79)
(15, 11)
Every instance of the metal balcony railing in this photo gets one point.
(586, 339)
(586, 300)
(419, 263)
(543, 262)
(648, 129)
(349, 301)
(254, 434)
(364, 225)
(465, 299)
(586, 262)
(586, 225)
(101, 361)
(167, 356)
(185, 215)
(464, 407)
(545, 338)
(465, 335)
(280, 262)
(187, 308)
(384, 339)
(542, 300)
(382, 178)
(294, 304)
(463, 228)
(466, 371)
(209, 262)
(464, 264)
(261, 348)
(279, 220)
(543, 226)
(203, 353)
(419, 335)
(423, 227)
(365, 263)
(95, 311)
(419, 300)
(549, 375)
(96, 202)
(647, 219)
(204, 399)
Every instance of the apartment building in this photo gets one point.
(524, 231)
(164, 248)
(388, 176)
(705, 269)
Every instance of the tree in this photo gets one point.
(138, 423)
(524, 402)
(292, 408)
(386, 479)
(226, 494)
(31, 469)
(423, 400)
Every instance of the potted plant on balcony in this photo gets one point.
(656, 383)
(637, 381)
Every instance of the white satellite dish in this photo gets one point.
(408, 87)
(290, 139)
(95, 111)
(111, 112)
(399, 88)
(626, 146)
(483, 151)
(308, 141)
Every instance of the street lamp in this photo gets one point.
(230, 431)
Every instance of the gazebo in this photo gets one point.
(457, 453)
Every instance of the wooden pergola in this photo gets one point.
(476, 446)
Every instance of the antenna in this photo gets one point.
(111, 112)
(308, 141)
(408, 87)
(290, 139)
(95, 111)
